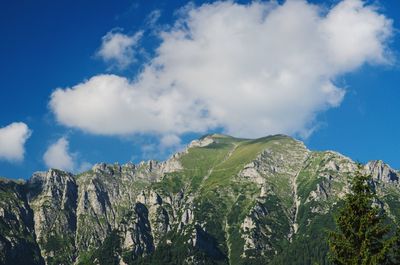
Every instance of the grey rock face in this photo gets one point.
(136, 230)
(52, 196)
(382, 172)
(17, 233)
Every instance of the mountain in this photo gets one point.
(223, 200)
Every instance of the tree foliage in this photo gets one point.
(394, 253)
(363, 233)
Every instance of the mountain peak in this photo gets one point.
(232, 200)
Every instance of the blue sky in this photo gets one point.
(50, 45)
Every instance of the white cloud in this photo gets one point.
(118, 48)
(12, 141)
(253, 70)
(109, 104)
(153, 17)
(57, 156)
(162, 147)
(84, 166)
(170, 140)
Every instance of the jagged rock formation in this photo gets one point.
(17, 237)
(52, 197)
(221, 201)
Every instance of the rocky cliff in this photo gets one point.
(221, 201)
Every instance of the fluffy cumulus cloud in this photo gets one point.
(118, 49)
(255, 69)
(12, 141)
(170, 140)
(57, 155)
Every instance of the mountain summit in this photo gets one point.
(223, 200)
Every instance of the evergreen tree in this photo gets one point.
(362, 238)
(394, 254)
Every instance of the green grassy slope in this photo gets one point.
(222, 199)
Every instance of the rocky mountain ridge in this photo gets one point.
(223, 200)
